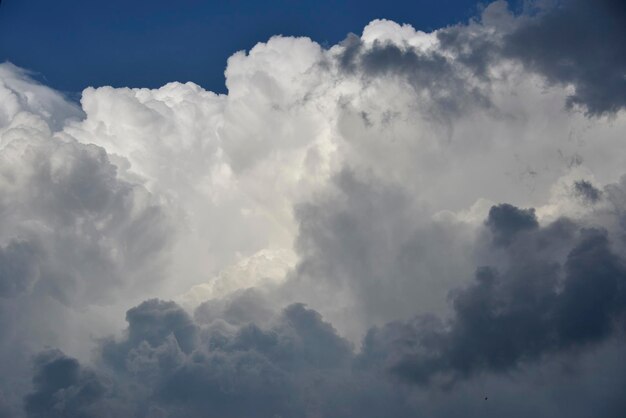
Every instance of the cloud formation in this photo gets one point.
(537, 305)
(74, 236)
(62, 387)
(402, 224)
(577, 42)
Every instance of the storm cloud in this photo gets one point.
(536, 307)
(403, 224)
(577, 42)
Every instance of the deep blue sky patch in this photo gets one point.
(73, 44)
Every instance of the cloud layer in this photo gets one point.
(403, 224)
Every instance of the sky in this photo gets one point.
(410, 212)
(74, 44)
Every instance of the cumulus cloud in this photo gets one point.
(572, 43)
(537, 304)
(62, 387)
(226, 368)
(434, 76)
(577, 42)
(404, 223)
(73, 234)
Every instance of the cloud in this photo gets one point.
(505, 221)
(572, 43)
(436, 78)
(21, 94)
(587, 192)
(400, 224)
(62, 388)
(537, 305)
(74, 236)
(19, 268)
(368, 254)
(577, 42)
(217, 369)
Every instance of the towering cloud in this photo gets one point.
(403, 224)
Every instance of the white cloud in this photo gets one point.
(356, 179)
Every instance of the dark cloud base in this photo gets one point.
(534, 310)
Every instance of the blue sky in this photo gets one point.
(72, 44)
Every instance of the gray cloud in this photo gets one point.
(587, 191)
(73, 235)
(167, 364)
(240, 307)
(578, 42)
(377, 162)
(369, 254)
(537, 306)
(219, 369)
(437, 79)
(18, 267)
(505, 221)
(556, 292)
(63, 388)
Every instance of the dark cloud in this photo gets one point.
(259, 371)
(578, 42)
(505, 221)
(62, 388)
(473, 51)
(5, 408)
(587, 192)
(434, 76)
(18, 267)
(153, 326)
(241, 307)
(557, 290)
(226, 370)
(348, 59)
(571, 42)
(536, 306)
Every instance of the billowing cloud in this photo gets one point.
(73, 235)
(577, 43)
(62, 387)
(535, 305)
(226, 368)
(402, 224)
